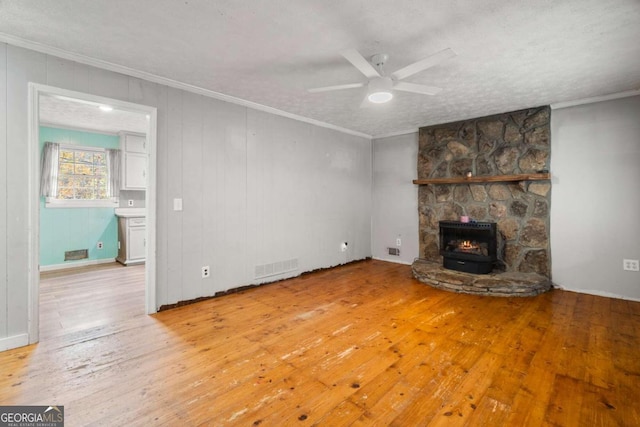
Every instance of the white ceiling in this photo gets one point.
(511, 54)
(87, 115)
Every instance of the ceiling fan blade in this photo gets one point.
(415, 88)
(423, 64)
(360, 63)
(336, 87)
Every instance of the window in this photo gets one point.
(82, 175)
(82, 178)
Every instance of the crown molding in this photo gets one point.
(601, 98)
(105, 65)
(398, 133)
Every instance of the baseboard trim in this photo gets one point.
(395, 261)
(77, 264)
(14, 342)
(596, 293)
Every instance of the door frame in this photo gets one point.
(35, 91)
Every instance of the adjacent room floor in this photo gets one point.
(361, 344)
(80, 299)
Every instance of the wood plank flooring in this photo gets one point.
(82, 298)
(359, 345)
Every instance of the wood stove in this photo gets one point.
(468, 246)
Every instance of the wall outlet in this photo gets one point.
(398, 242)
(100, 245)
(631, 264)
(130, 202)
(343, 246)
(206, 272)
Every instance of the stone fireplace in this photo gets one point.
(501, 145)
(510, 143)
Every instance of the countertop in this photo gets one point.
(130, 212)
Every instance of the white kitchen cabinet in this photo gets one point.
(136, 243)
(131, 240)
(134, 161)
(133, 143)
(134, 171)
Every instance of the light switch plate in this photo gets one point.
(177, 204)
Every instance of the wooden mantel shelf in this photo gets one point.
(479, 179)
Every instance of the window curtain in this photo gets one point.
(49, 170)
(113, 165)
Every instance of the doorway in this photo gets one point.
(79, 112)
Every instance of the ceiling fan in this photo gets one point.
(380, 86)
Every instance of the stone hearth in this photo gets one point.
(504, 284)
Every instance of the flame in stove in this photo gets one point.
(466, 244)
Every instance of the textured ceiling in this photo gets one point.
(511, 54)
(85, 115)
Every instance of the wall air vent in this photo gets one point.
(76, 255)
(275, 268)
(394, 251)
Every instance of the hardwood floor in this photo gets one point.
(82, 298)
(359, 345)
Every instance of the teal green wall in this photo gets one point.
(67, 229)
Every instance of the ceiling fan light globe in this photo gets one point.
(380, 97)
(380, 90)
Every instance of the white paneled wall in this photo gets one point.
(23, 66)
(395, 197)
(307, 193)
(595, 200)
(4, 320)
(257, 188)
